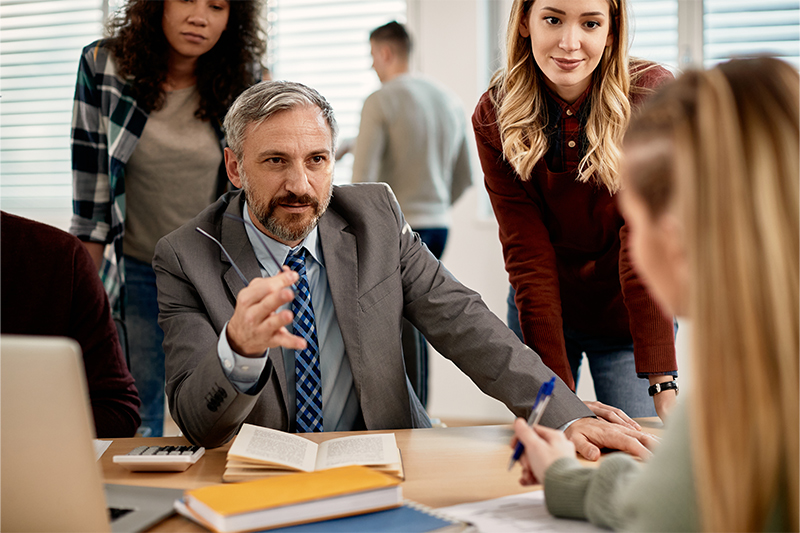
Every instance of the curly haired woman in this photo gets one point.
(549, 132)
(147, 149)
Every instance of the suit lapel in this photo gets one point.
(341, 263)
(234, 238)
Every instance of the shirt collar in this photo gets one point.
(279, 250)
(574, 106)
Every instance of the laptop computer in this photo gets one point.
(49, 478)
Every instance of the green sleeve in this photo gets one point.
(621, 494)
(585, 493)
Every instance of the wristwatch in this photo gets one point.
(661, 387)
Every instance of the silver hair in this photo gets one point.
(261, 101)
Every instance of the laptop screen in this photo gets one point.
(49, 478)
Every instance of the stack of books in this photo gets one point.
(288, 500)
(347, 484)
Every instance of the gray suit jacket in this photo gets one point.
(378, 273)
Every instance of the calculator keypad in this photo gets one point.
(164, 450)
(160, 458)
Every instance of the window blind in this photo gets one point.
(654, 31)
(325, 44)
(40, 44)
(735, 28)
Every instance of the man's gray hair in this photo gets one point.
(261, 101)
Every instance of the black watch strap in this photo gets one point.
(661, 387)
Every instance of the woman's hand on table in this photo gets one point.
(543, 446)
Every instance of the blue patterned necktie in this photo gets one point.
(308, 383)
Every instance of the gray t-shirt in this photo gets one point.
(171, 175)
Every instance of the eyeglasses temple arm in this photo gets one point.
(236, 268)
(258, 234)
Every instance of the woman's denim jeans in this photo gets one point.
(611, 363)
(145, 340)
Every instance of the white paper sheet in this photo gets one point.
(100, 446)
(511, 514)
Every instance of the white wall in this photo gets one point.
(451, 45)
(454, 40)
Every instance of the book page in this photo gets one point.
(266, 445)
(358, 450)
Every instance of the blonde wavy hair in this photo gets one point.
(517, 92)
(732, 176)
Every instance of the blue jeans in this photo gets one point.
(512, 314)
(145, 340)
(435, 239)
(611, 363)
(415, 347)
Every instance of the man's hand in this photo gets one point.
(543, 446)
(591, 434)
(612, 414)
(255, 326)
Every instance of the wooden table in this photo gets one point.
(443, 466)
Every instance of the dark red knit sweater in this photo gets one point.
(50, 286)
(565, 247)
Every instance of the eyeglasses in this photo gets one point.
(258, 235)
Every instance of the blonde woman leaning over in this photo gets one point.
(549, 131)
(711, 195)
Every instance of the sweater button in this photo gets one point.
(571, 144)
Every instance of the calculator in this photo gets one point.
(160, 458)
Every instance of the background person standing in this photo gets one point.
(413, 137)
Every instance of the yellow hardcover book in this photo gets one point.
(299, 498)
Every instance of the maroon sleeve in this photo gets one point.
(113, 395)
(529, 255)
(652, 331)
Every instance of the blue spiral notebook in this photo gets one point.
(410, 517)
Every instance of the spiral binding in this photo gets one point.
(435, 513)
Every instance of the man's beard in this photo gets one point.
(292, 227)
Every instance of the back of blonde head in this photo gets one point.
(518, 93)
(733, 179)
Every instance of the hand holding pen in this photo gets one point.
(539, 405)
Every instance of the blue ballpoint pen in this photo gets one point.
(539, 405)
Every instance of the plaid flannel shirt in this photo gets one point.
(106, 126)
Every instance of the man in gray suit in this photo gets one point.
(357, 270)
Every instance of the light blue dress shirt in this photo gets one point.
(340, 408)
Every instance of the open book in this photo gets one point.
(259, 452)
